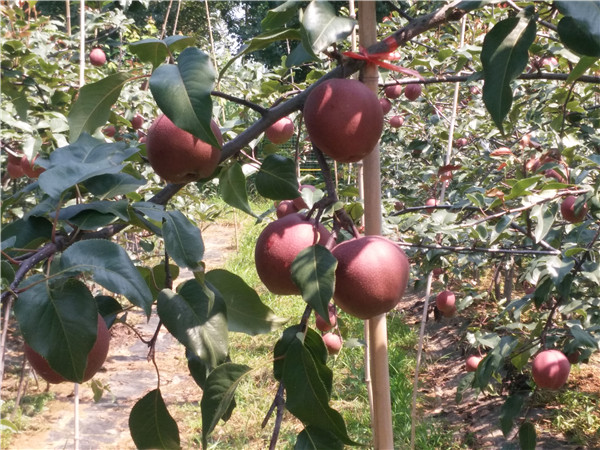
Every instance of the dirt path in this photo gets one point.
(128, 375)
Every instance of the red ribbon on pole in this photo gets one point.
(378, 59)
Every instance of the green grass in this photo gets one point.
(14, 420)
(349, 397)
(577, 416)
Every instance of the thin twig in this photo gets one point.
(261, 110)
(465, 249)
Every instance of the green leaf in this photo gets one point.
(463, 385)
(109, 266)
(245, 311)
(198, 369)
(183, 240)
(312, 341)
(576, 37)
(527, 436)
(151, 425)
(584, 64)
(469, 5)
(301, 54)
(520, 188)
(504, 56)
(306, 394)
(591, 270)
(26, 233)
(313, 271)
(509, 411)
(558, 268)
(108, 308)
(579, 29)
(156, 277)
(93, 105)
(154, 51)
(95, 214)
(232, 187)
(312, 438)
(323, 27)
(59, 321)
(197, 318)
(278, 17)
(218, 394)
(544, 215)
(262, 41)
(494, 361)
(182, 92)
(7, 272)
(277, 178)
(178, 42)
(542, 291)
(110, 185)
(80, 161)
(583, 337)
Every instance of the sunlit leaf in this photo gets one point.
(93, 105)
(323, 26)
(110, 266)
(277, 178)
(504, 56)
(232, 187)
(246, 313)
(313, 271)
(183, 240)
(196, 317)
(182, 92)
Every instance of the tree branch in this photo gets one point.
(523, 76)
(259, 109)
(464, 249)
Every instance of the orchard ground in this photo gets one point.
(127, 375)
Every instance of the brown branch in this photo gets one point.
(259, 109)
(524, 208)
(465, 249)
(523, 76)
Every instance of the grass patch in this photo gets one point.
(577, 416)
(14, 420)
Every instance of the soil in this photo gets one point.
(476, 419)
(129, 375)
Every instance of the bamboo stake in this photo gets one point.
(381, 419)
(361, 195)
(81, 43)
(68, 13)
(81, 83)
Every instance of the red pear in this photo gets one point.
(344, 119)
(95, 359)
(550, 369)
(281, 131)
(279, 244)
(371, 276)
(178, 156)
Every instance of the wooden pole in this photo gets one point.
(361, 195)
(381, 418)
